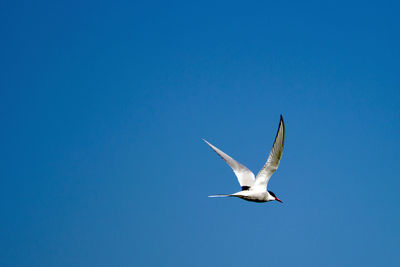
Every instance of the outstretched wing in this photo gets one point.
(273, 160)
(244, 175)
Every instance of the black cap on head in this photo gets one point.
(272, 193)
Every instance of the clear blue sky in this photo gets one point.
(104, 104)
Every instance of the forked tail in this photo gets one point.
(219, 195)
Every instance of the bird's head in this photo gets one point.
(274, 196)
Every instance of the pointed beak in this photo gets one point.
(277, 199)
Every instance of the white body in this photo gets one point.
(255, 188)
(251, 195)
(255, 196)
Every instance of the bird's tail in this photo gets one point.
(220, 195)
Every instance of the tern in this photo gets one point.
(255, 188)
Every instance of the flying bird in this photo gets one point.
(255, 188)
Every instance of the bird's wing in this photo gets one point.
(273, 160)
(244, 175)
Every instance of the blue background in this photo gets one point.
(104, 104)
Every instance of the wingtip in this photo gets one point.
(282, 122)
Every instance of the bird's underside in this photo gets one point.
(249, 196)
(252, 196)
(255, 188)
